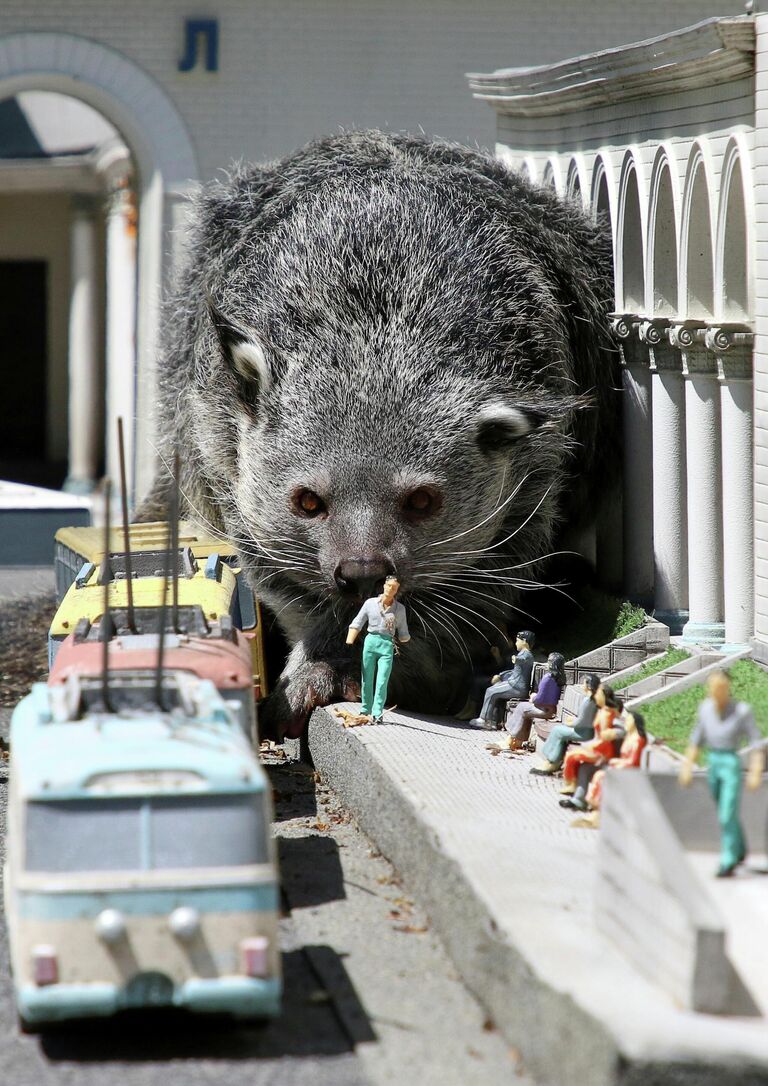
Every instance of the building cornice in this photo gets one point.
(711, 52)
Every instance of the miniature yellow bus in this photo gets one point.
(209, 578)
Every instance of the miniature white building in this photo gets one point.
(669, 138)
(184, 91)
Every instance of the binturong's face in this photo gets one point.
(389, 381)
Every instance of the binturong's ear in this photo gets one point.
(499, 426)
(241, 348)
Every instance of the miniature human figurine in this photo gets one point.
(542, 706)
(581, 731)
(385, 617)
(721, 726)
(500, 658)
(598, 750)
(510, 684)
(632, 746)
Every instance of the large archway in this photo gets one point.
(166, 168)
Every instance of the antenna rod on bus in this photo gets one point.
(126, 530)
(175, 542)
(163, 613)
(105, 616)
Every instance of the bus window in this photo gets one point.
(81, 835)
(156, 832)
(208, 831)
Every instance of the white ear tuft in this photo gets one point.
(249, 361)
(499, 425)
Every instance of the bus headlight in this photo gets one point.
(254, 956)
(184, 922)
(110, 925)
(45, 965)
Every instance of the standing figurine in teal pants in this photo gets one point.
(722, 726)
(385, 618)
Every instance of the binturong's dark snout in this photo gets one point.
(362, 577)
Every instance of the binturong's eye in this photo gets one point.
(306, 503)
(422, 502)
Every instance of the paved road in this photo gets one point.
(371, 997)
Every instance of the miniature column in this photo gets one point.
(121, 330)
(733, 352)
(84, 395)
(670, 552)
(638, 482)
(705, 624)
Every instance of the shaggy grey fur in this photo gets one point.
(372, 316)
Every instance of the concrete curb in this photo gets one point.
(562, 1038)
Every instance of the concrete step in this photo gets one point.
(509, 885)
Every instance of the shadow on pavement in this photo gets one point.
(310, 870)
(293, 785)
(312, 1024)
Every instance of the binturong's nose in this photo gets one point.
(362, 577)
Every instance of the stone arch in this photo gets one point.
(602, 195)
(166, 166)
(697, 293)
(528, 169)
(734, 234)
(573, 181)
(662, 241)
(551, 177)
(629, 241)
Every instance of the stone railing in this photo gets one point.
(648, 898)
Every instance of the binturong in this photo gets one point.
(388, 354)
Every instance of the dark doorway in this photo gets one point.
(23, 370)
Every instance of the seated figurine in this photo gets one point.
(510, 684)
(500, 659)
(542, 706)
(598, 750)
(632, 746)
(582, 730)
(722, 726)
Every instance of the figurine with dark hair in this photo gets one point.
(632, 746)
(542, 706)
(722, 726)
(600, 749)
(385, 617)
(581, 731)
(510, 684)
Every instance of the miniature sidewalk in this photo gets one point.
(508, 884)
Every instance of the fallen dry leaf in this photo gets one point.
(411, 929)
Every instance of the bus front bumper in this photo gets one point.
(243, 997)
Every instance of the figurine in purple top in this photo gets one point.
(542, 706)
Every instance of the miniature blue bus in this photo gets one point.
(140, 869)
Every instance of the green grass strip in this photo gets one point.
(670, 657)
(672, 719)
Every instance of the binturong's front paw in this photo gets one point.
(304, 685)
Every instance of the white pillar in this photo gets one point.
(734, 361)
(670, 552)
(703, 470)
(84, 390)
(638, 481)
(121, 328)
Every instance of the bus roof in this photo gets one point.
(149, 751)
(152, 536)
(227, 663)
(87, 601)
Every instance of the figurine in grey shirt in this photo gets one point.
(386, 618)
(723, 726)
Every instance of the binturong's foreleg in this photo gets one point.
(427, 676)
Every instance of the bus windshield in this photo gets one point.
(146, 832)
